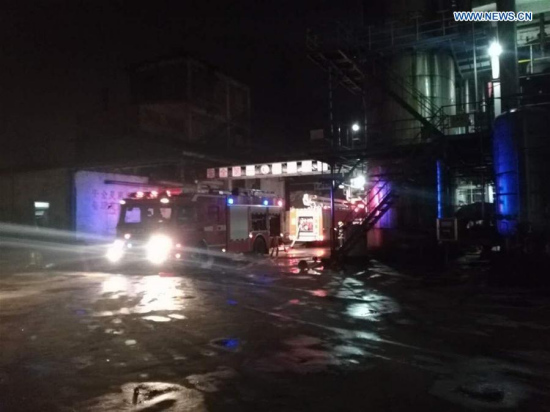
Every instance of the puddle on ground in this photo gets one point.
(148, 396)
(114, 331)
(154, 318)
(373, 309)
(155, 293)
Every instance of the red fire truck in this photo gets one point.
(165, 226)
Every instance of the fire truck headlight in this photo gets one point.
(158, 249)
(115, 251)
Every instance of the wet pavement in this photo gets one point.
(263, 335)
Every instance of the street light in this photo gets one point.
(355, 127)
(494, 51)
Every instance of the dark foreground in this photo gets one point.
(260, 337)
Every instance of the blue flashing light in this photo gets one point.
(439, 190)
(230, 200)
(266, 202)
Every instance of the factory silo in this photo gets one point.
(521, 148)
(425, 80)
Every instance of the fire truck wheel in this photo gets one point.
(259, 248)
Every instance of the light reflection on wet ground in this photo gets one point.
(153, 293)
(191, 338)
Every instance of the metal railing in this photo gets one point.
(399, 33)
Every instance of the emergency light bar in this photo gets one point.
(248, 200)
(153, 194)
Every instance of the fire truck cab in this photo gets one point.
(164, 226)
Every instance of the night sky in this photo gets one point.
(58, 57)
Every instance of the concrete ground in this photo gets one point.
(261, 335)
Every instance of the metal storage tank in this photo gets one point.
(521, 149)
(432, 75)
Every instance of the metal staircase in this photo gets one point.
(384, 191)
(380, 199)
(357, 55)
(357, 58)
(348, 65)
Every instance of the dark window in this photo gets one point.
(275, 225)
(150, 212)
(259, 221)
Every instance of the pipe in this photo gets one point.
(332, 214)
(476, 99)
(330, 107)
(509, 76)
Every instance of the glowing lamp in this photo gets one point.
(495, 49)
(358, 182)
(280, 203)
(230, 201)
(265, 202)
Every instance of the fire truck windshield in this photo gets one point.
(132, 214)
(144, 214)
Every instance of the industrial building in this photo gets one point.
(426, 91)
(179, 114)
(177, 106)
